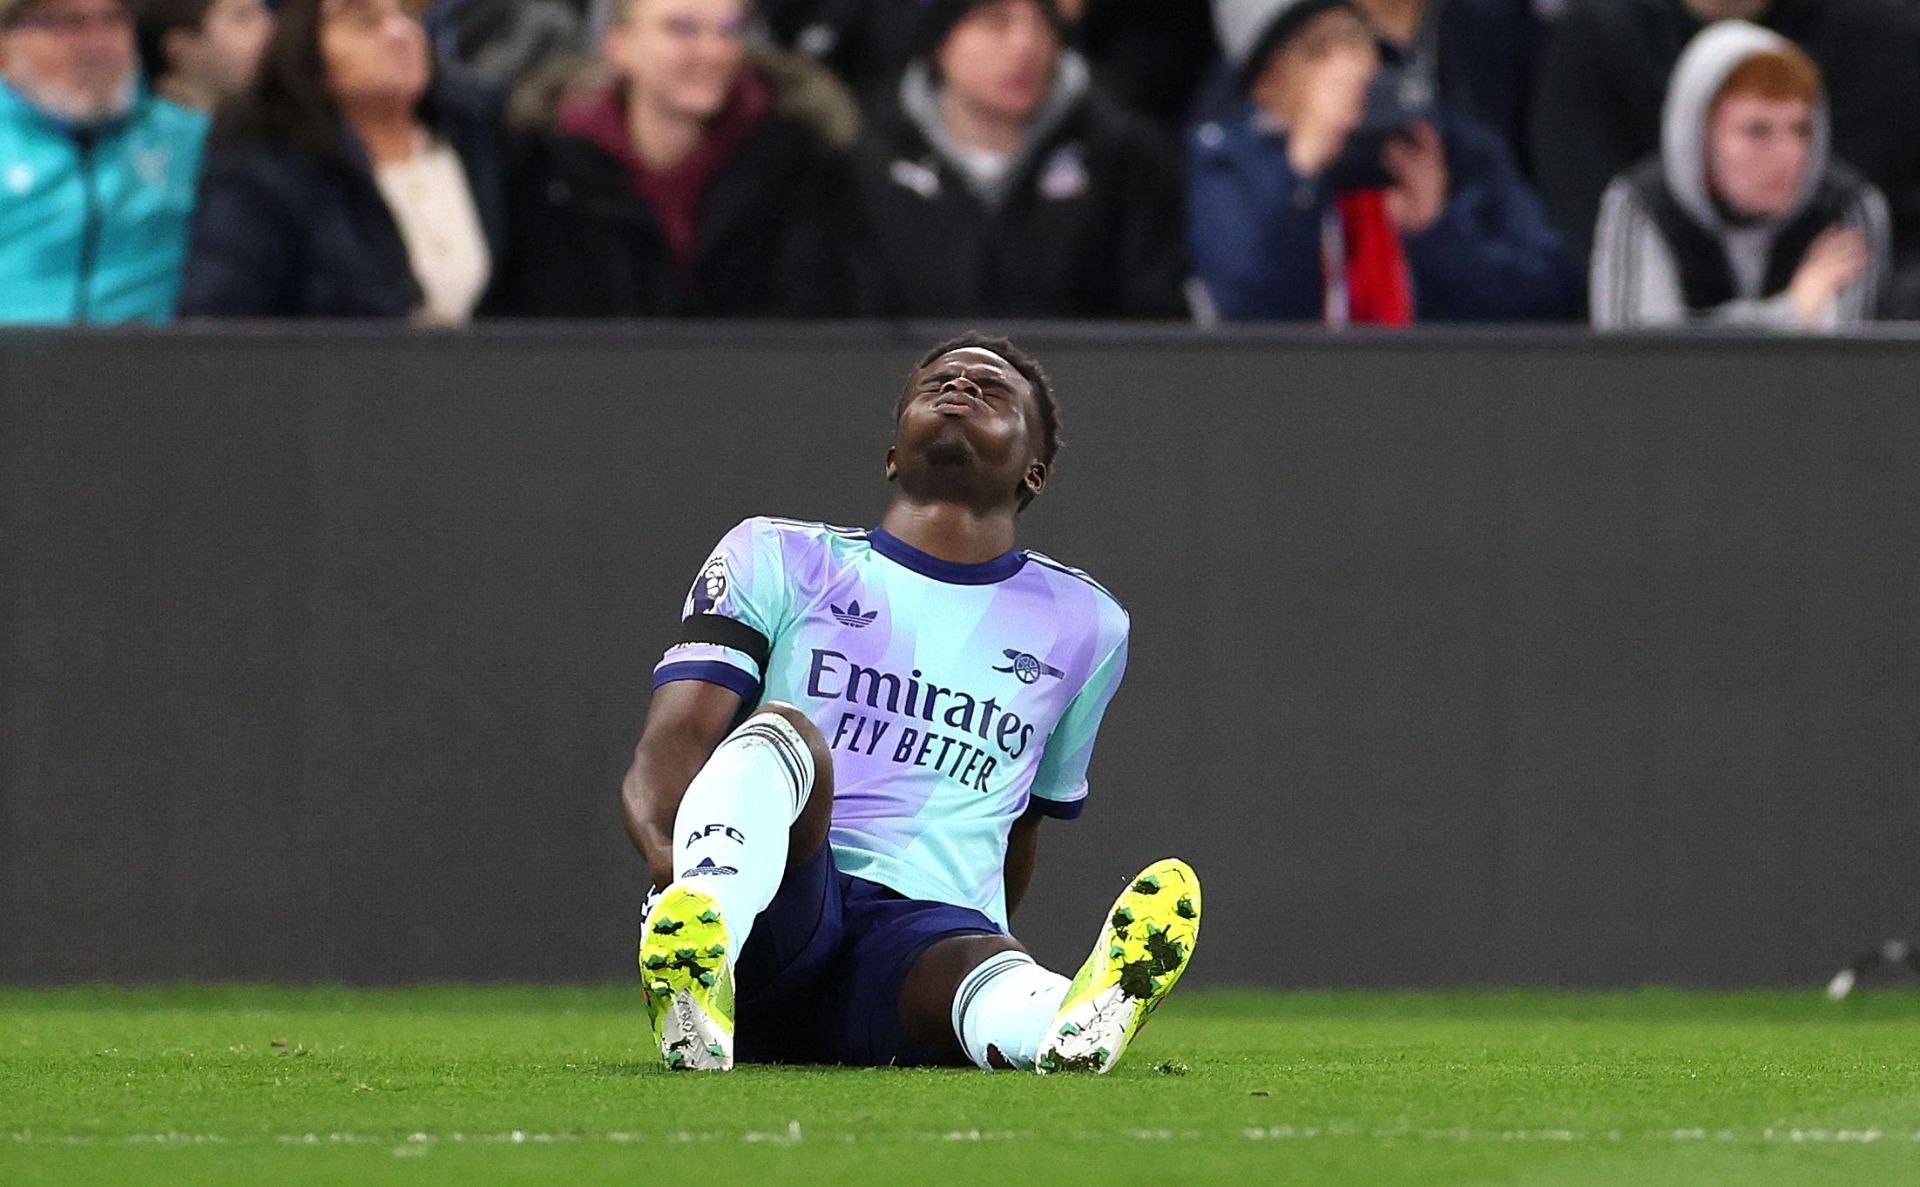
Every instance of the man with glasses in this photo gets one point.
(96, 176)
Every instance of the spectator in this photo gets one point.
(200, 53)
(350, 181)
(1741, 219)
(683, 175)
(505, 41)
(96, 176)
(1605, 71)
(1301, 211)
(1003, 184)
(1477, 55)
(1150, 55)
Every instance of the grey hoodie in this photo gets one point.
(1073, 79)
(1636, 278)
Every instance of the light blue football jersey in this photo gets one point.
(952, 695)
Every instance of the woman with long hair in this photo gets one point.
(351, 180)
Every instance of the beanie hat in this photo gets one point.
(1250, 30)
(938, 17)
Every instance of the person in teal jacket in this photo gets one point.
(97, 177)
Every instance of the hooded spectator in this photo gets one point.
(1742, 219)
(685, 174)
(1604, 74)
(351, 181)
(201, 53)
(1004, 184)
(96, 176)
(1304, 206)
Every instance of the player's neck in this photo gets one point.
(951, 531)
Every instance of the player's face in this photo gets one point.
(971, 411)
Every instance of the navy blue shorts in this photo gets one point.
(820, 978)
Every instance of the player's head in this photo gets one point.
(978, 422)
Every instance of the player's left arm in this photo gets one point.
(704, 682)
(1023, 853)
(1060, 785)
(685, 723)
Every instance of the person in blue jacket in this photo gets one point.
(96, 175)
(1308, 204)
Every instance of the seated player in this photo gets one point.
(848, 757)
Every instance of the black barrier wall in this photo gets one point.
(1504, 660)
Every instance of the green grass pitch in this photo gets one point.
(482, 1086)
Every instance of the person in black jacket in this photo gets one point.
(1149, 55)
(349, 181)
(1604, 75)
(685, 174)
(1003, 184)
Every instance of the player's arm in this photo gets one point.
(700, 686)
(1060, 785)
(685, 722)
(1023, 852)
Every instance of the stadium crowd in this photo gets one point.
(1638, 162)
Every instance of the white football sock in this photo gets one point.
(1004, 1005)
(730, 835)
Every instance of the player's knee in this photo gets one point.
(809, 733)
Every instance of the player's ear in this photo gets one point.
(1035, 480)
(893, 468)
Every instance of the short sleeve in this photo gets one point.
(1060, 785)
(731, 615)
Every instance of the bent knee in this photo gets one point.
(803, 725)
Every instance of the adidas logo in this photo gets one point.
(708, 866)
(852, 616)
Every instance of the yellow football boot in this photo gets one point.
(1144, 947)
(687, 979)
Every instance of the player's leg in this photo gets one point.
(763, 802)
(983, 1000)
(1145, 945)
(760, 806)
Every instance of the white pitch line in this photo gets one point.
(414, 1143)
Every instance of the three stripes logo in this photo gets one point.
(852, 616)
(708, 866)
